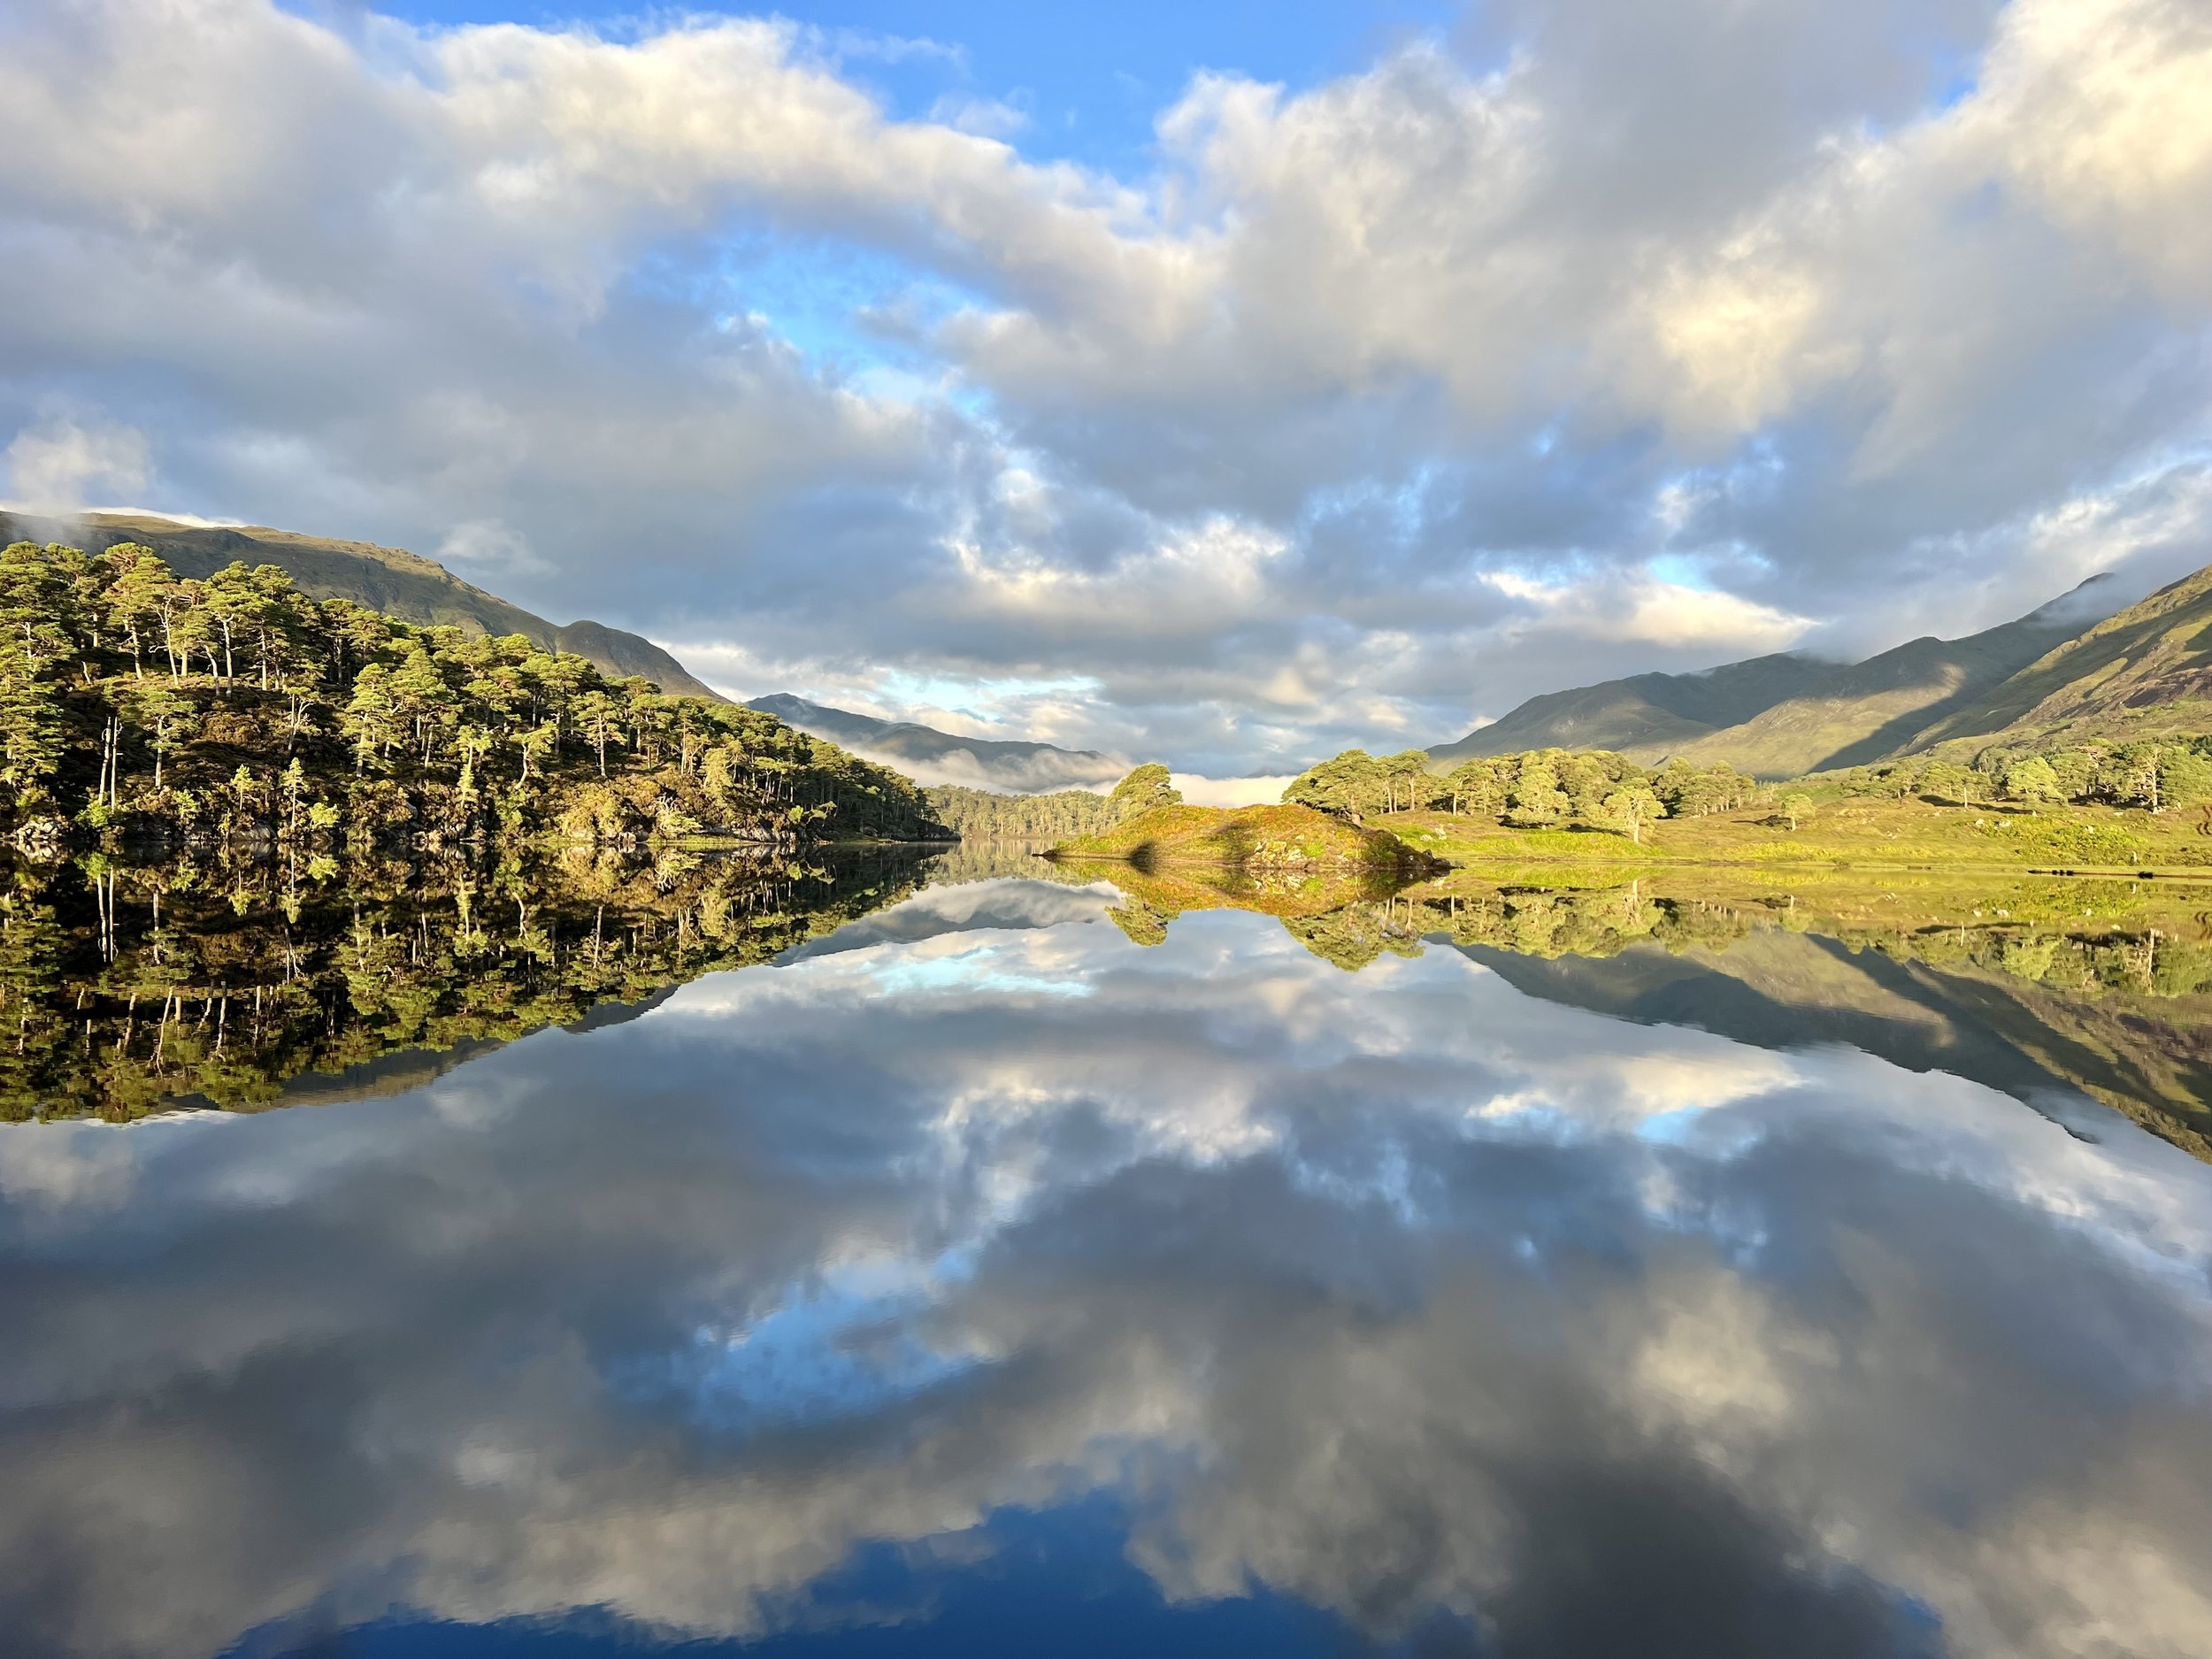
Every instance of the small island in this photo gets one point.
(1156, 827)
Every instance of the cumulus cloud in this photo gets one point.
(1372, 408)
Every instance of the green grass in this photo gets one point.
(1843, 832)
(1257, 837)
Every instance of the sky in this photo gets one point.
(1222, 384)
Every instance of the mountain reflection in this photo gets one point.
(134, 990)
(2050, 989)
(1468, 1316)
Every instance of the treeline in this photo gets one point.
(1531, 923)
(1069, 814)
(979, 815)
(137, 701)
(1542, 788)
(232, 981)
(2152, 776)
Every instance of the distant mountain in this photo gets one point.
(399, 583)
(1878, 706)
(1784, 715)
(933, 756)
(1644, 714)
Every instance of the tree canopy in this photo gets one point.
(1141, 790)
(1542, 788)
(137, 703)
(984, 815)
(2154, 776)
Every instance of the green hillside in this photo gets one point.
(1785, 715)
(2144, 673)
(1292, 837)
(1645, 717)
(389, 580)
(1877, 708)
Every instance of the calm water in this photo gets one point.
(972, 1280)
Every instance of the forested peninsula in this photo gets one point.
(143, 709)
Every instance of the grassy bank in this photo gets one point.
(1842, 832)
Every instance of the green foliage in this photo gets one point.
(1630, 807)
(1542, 788)
(2153, 776)
(1535, 799)
(2033, 780)
(2064, 843)
(1146, 787)
(1140, 922)
(983, 815)
(238, 710)
(1287, 837)
(1356, 783)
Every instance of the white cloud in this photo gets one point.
(2103, 113)
(62, 464)
(1247, 443)
(487, 546)
(1253, 791)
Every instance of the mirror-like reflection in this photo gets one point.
(2030, 983)
(978, 1277)
(132, 989)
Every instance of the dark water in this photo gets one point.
(972, 1280)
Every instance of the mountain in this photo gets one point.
(2144, 672)
(1644, 714)
(1784, 715)
(933, 757)
(390, 580)
(1878, 706)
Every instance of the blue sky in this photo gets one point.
(1222, 384)
(1090, 78)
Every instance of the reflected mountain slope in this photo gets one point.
(975, 889)
(1782, 990)
(2068, 995)
(1989, 1002)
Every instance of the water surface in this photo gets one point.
(974, 1279)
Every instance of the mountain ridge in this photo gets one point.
(1642, 711)
(1798, 714)
(2144, 672)
(1018, 765)
(1871, 709)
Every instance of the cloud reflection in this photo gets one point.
(1399, 1292)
